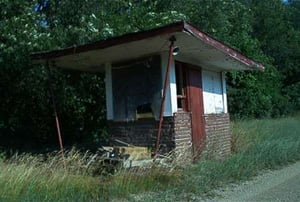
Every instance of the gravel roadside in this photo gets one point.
(278, 185)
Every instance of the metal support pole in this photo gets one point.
(56, 116)
(162, 106)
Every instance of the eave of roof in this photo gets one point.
(181, 26)
(222, 47)
(102, 44)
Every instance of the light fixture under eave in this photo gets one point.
(175, 50)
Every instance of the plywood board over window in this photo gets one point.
(136, 90)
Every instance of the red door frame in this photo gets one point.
(194, 104)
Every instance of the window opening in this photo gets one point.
(180, 75)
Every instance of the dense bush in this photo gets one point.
(267, 31)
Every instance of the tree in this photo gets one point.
(267, 31)
(26, 117)
(276, 28)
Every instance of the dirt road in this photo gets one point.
(278, 185)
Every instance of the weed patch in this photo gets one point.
(257, 145)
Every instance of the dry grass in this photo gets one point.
(26, 177)
(258, 144)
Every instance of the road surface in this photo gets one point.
(278, 185)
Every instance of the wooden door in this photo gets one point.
(195, 106)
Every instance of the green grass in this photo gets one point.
(257, 145)
(28, 178)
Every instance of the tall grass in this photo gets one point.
(32, 178)
(257, 145)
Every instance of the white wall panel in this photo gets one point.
(212, 92)
(171, 94)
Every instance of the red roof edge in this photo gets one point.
(222, 47)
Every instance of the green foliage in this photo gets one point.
(293, 92)
(26, 117)
(267, 31)
(256, 94)
(19, 36)
(282, 43)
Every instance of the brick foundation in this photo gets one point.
(182, 129)
(144, 133)
(176, 132)
(218, 135)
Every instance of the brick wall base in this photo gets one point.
(183, 132)
(144, 133)
(176, 133)
(218, 135)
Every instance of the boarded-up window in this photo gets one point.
(212, 92)
(137, 87)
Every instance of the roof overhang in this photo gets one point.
(195, 47)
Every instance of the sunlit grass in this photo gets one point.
(257, 145)
(28, 178)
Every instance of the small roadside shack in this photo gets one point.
(165, 87)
